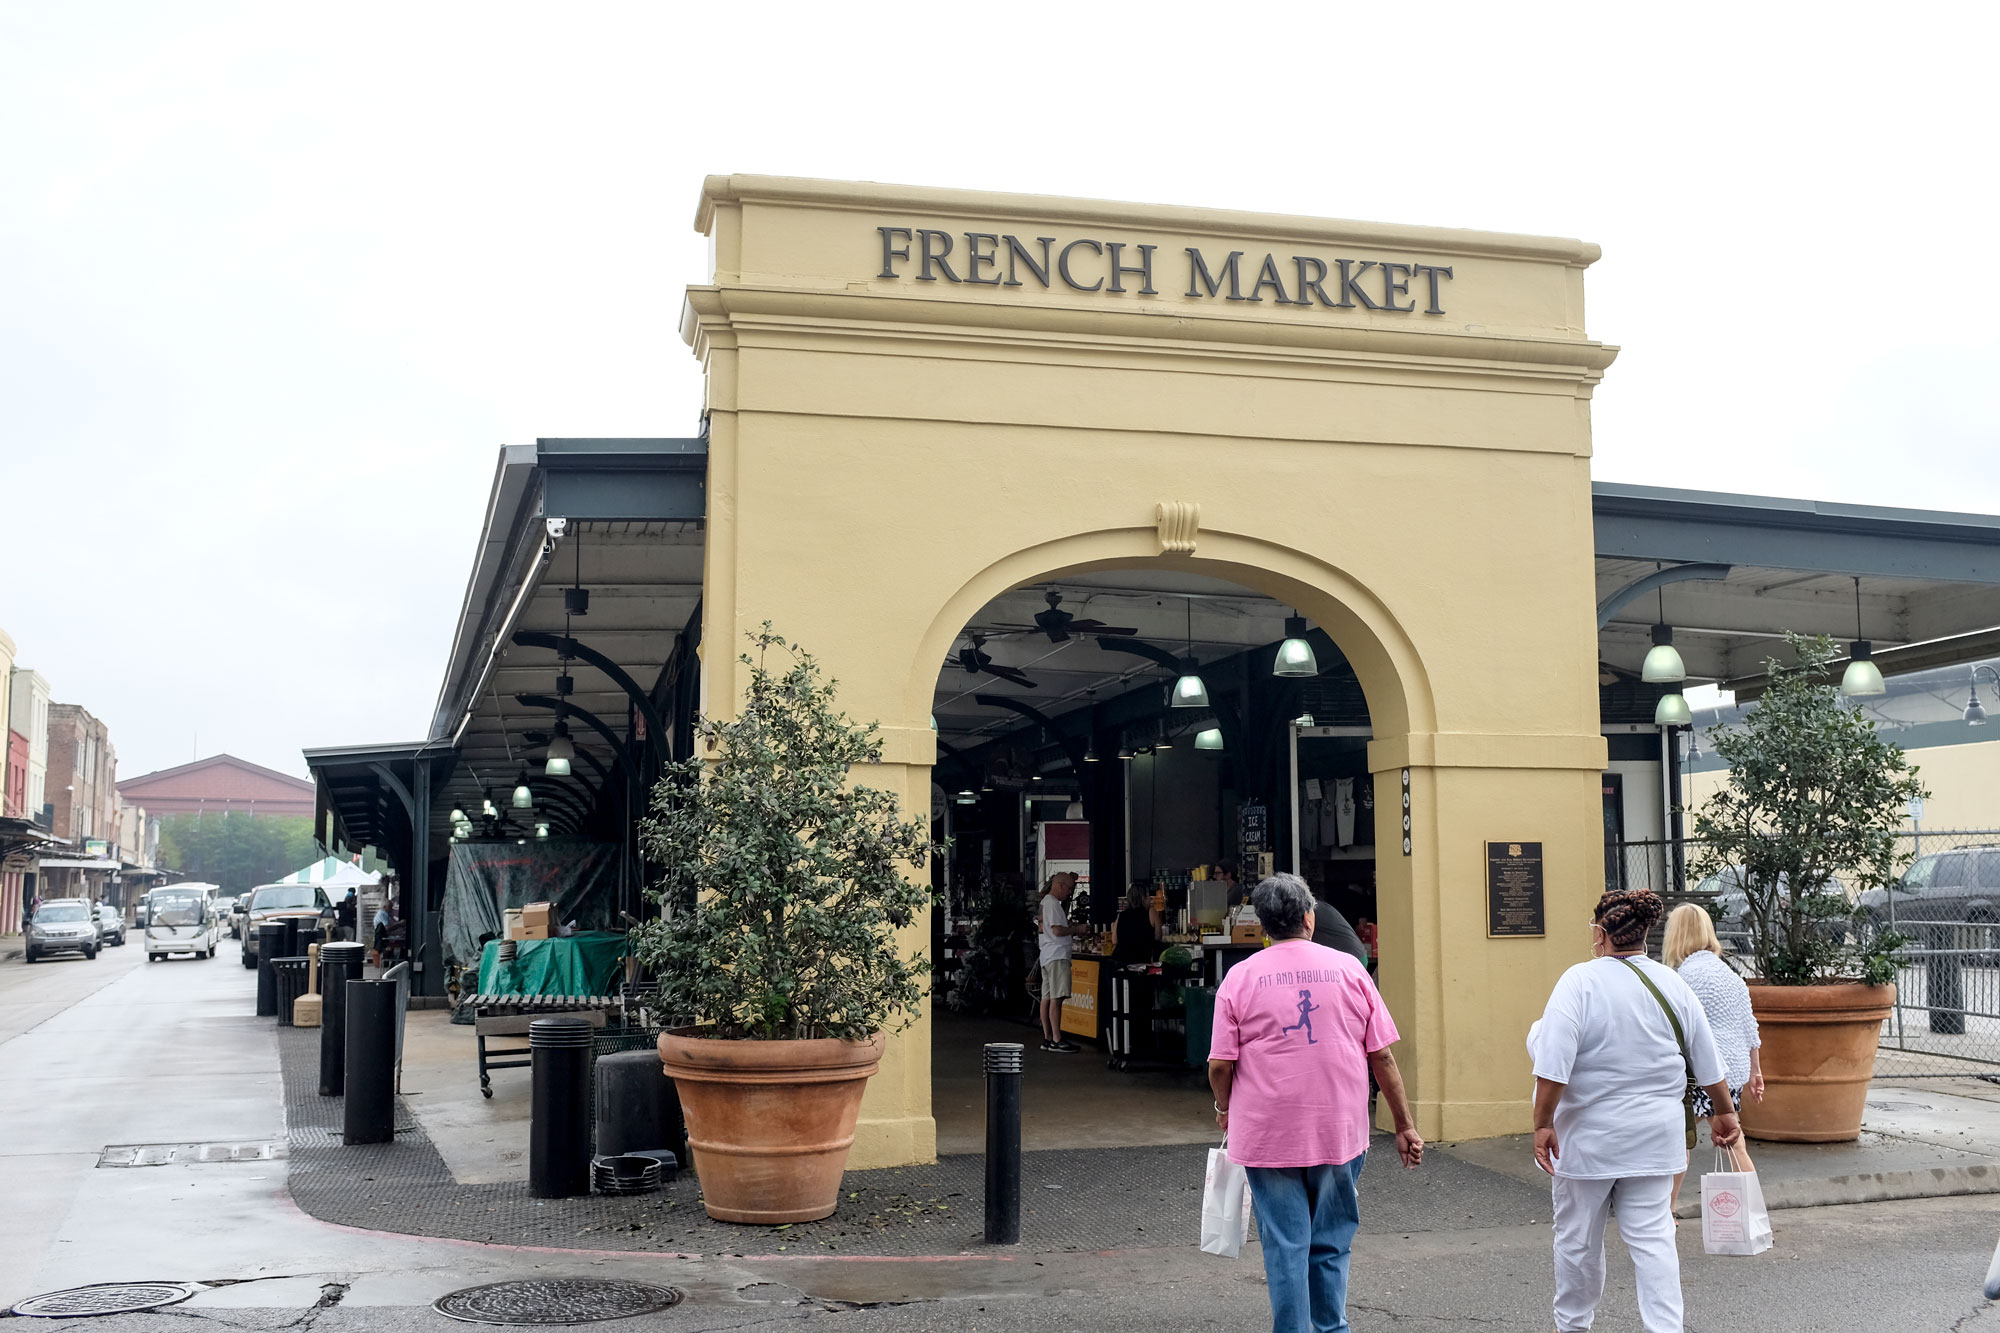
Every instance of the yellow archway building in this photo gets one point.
(919, 399)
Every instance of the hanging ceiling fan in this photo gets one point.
(1059, 624)
(975, 661)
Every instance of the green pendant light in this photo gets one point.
(1862, 676)
(1295, 655)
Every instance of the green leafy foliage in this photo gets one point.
(786, 882)
(1808, 817)
(236, 851)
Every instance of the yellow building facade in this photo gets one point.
(919, 399)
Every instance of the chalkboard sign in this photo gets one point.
(1515, 903)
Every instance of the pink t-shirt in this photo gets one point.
(1299, 1020)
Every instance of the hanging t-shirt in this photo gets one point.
(1054, 913)
(1300, 1021)
(1606, 1038)
(1343, 811)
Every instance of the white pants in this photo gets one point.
(1645, 1220)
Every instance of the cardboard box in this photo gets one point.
(537, 921)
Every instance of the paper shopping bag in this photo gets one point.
(1733, 1217)
(1225, 1205)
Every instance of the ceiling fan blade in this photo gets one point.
(1010, 673)
(1099, 627)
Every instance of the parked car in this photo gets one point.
(274, 902)
(110, 925)
(181, 922)
(62, 925)
(224, 907)
(1945, 900)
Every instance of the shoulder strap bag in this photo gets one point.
(1687, 1061)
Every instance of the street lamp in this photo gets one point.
(1188, 691)
(1975, 712)
(1663, 665)
(1673, 711)
(524, 799)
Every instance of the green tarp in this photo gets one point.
(484, 879)
(587, 963)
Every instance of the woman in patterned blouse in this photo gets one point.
(1693, 950)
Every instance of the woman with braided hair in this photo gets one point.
(1614, 1053)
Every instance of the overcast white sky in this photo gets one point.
(276, 281)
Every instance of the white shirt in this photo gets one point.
(1054, 947)
(1726, 1001)
(1606, 1038)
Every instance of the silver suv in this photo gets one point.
(62, 925)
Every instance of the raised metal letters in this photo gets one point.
(1087, 264)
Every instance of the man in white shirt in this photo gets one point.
(1054, 931)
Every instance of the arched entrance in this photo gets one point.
(890, 451)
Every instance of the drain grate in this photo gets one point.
(555, 1300)
(104, 1298)
(173, 1154)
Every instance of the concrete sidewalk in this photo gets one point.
(1920, 1139)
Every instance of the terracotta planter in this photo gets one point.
(1819, 1055)
(769, 1122)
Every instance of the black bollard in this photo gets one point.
(338, 965)
(368, 1111)
(290, 946)
(1003, 1143)
(1944, 981)
(559, 1108)
(270, 946)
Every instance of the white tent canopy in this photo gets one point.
(334, 873)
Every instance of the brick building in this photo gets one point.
(219, 784)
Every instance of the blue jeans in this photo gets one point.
(1306, 1220)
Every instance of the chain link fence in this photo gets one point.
(1947, 905)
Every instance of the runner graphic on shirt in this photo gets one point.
(1306, 1008)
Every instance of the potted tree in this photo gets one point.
(1807, 818)
(785, 887)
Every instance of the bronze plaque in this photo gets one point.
(1515, 903)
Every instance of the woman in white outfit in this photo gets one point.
(1693, 950)
(1610, 1120)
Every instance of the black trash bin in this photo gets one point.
(637, 1107)
(289, 976)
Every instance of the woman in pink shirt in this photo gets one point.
(1298, 1028)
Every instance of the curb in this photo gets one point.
(1940, 1182)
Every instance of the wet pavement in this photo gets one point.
(171, 1054)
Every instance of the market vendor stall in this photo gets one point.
(586, 963)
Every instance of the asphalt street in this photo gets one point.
(116, 1052)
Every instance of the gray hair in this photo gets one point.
(1282, 902)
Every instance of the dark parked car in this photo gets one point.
(1945, 900)
(62, 925)
(110, 925)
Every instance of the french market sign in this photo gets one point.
(994, 259)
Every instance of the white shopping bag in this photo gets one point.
(1225, 1205)
(1733, 1217)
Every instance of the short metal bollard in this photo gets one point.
(368, 1111)
(1003, 1143)
(290, 946)
(559, 1108)
(270, 942)
(338, 965)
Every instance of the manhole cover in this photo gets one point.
(555, 1300)
(104, 1298)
